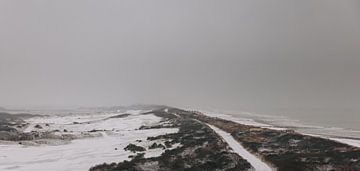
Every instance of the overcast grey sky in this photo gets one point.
(199, 53)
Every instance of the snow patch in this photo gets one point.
(81, 154)
(237, 148)
(355, 143)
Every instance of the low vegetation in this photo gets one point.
(200, 149)
(286, 149)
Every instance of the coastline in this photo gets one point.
(185, 132)
(353, 141)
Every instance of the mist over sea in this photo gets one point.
(333, 123)
(343, 118)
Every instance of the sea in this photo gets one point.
(334, 123)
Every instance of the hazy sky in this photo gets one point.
(199, 53)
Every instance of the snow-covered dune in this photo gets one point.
(81, 154)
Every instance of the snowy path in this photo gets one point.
(252, 159)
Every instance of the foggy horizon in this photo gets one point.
(160, 85)
(233, 55)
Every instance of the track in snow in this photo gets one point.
(237, 148)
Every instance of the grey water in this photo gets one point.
(333, 123)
